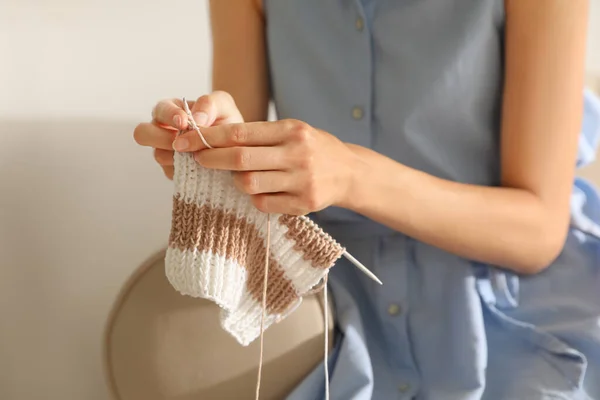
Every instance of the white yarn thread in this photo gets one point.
(264, 311)
(325, 358)
(264, 308)
(192, 124)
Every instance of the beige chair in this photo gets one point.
(160, 345)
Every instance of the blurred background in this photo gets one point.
(81, 205)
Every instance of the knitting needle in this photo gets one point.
(364, 269)
(192, 123)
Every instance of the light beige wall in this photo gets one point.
(100, 58)
(80, 204)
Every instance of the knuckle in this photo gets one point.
(300, 131)
(307, 161)
(311, 201)
(241, 158)
(249, 182)
(238, 135)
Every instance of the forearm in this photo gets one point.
(239, 65)
(511, 228)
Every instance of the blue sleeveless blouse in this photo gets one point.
(420, 81)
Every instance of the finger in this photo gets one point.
(217, 107)
(163, 157)
(242, 158)
(149, 134)
(256, 182)
(169, 172)
(243, 134)
(278, 203)
(170, 113)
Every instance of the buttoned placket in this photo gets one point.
(392, 298)
(393, 262)
(360, 107)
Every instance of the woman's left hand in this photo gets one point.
(287, 166)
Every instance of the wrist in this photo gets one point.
(356, 171)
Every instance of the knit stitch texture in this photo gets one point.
(217, 251)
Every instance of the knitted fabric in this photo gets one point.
(217, 251)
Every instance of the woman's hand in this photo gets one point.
(287, 166)
(168, 118)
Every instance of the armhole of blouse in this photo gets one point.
(500, 13)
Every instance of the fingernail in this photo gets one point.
(180, 144)
(197, 157)
(177, 121)
(201, 118)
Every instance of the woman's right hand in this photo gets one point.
(168, 117)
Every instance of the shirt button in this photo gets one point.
(357, 113)
(394, 309)
(405, 387)
(359, 23)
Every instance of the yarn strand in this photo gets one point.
(192, 124)
(326, 356)
(264, 308)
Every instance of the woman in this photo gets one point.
(437, 140)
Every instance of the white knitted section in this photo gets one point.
(244, 323)
(203, 275)
(206, 275)
(199, 185)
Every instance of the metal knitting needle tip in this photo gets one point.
(186, 108)
(192, 124)
(364, 269)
